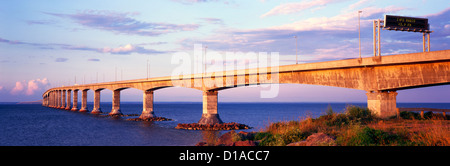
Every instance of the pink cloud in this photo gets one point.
(18, 88)
(121, 49)
(30, 87)
(345, 21)
(289, 8)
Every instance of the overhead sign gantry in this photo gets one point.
(401, 23)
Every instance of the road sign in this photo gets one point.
(401, 23)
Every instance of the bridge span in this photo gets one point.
(381, 77)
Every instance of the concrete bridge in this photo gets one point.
(380, 77)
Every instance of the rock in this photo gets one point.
(316, 139)
(227, 138)
(150, 119)
(300, 143)
(201, 144)
(217, 126)
(244, 143)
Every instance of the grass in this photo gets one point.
(358, 126)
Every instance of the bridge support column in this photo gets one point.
(382, 103)
(96, 109)
(63, 101)
(52, 99)
(210, 115)
(116, 103)
(68, 99)
(75, 100)
(54, 104)
(83, 101)
(147, 110)
(58, 99)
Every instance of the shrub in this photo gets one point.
(409, 115)
(372, 137)
(329, 110)
(359, 114)
(293, 136)
(338, 120)
(268, 139)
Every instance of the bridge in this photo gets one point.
(380, 76)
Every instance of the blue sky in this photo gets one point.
(51, 43)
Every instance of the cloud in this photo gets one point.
(61, 59)
(289, 8)
(327, 38)
(94, 60)
(40, 22)
(358, 4)
(123, 23)
(342, 22)
(216, 21)
(30, 87)
(18, 88)
(188, 2)
(125, 50)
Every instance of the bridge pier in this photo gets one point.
(96, 109)
(58, 99)
(55, 98)
(68, 99)
(83, 101)
(382, 103)
(63, 101)
(75, 100)
(52, 99)
(210, 115)
(116, 103)
(147, 104)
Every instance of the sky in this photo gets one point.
(51, 43)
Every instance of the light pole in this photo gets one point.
(204, 60)
(296, 50)
(359, 33)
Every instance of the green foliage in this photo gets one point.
(409, 115)
(291, 136)
(262, 135)
(416, 116)
(329, 111)
(372, 137)
(338, 120)
(359, 114)
(353, 115)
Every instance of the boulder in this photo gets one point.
(316, 139)
(244, 143)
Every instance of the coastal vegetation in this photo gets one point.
(356, 126)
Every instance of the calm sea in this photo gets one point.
(35, 125)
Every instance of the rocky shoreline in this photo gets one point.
(117, 115)
(217, 126)
(152, 119)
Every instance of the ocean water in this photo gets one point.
(35, 125)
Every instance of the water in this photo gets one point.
(34, 125)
